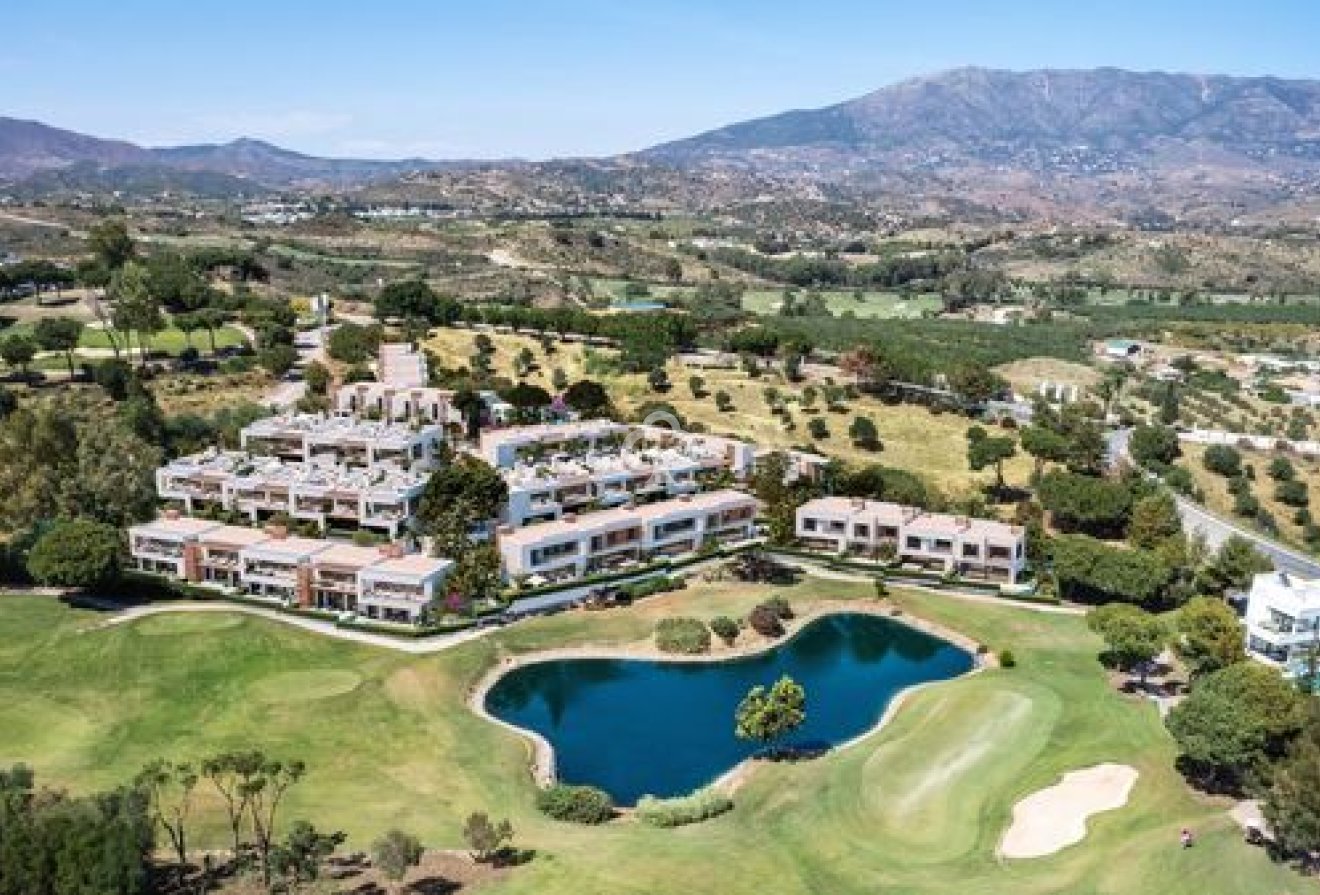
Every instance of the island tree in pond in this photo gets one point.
(768, 715)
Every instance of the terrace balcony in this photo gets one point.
(159, 549)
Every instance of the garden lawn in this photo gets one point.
(168, 341)
(915, 808)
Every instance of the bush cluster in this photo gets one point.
(578, 804)
(765, 621)
(682, 635)
(690, 809)
(724, 628)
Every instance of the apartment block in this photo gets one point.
(381, 497)
(376, 583)
(976, 547)
(1283, 622)
(382, 401)
(573, 546)
(344, 439)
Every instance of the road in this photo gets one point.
(1196, 519)
(288, 392)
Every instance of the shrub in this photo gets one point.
(1007, 659)
(682, 635)
(690, 809)
(1292, 492)
(780, 607)
(578, 804)
(1222, 459)
(765, 621)
(724, 628)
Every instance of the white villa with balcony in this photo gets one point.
(573, 546)
(1283, 622)
(344, 439)
(382, 497)
(976, 547)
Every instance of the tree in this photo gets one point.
(1233, 566)
(1155, 520)
(558, 379)
(59, 334)
(114, 481)
(1091, 571)
(476, 573)
(169, 789)
(175, 283)
(523, 361)
(299, 857)
(278, 358)
(76, 553)
(1044, 445)
(486, 839)
(110, 243)
(317, 377)
(723, 402)
(414, 299)
(976, 384)
(658, 379)
(266, 792)
(589, 399)
(233, 774)
(1085, 502)
(17, 351)
(990, 450)
(1223, 459)
(697, 385)
(779, 498)
(864, 433)
(1293, 493)
(394, 853)
(767, 716)
(1281, 469)
(135, 310)
(1234, 721)
(467, 486)
(1133, 637)
(1154, 446)
(818, 428)
(1292, 802)
(353, 344)
(1209, 636)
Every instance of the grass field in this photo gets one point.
(168, 341)
(915, 808)
(932, 445)
(870, 304)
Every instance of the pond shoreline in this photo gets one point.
(542, 759)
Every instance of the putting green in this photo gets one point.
(305, 686)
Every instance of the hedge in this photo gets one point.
(578, 804)
(689, 636)
(690, 809)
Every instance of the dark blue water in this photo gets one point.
(637, 727)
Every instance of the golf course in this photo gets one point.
(918, 806)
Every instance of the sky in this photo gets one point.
(539, 79)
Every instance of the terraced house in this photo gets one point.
(574, 546)
(343, 439)
(380, 583)
(975, 547)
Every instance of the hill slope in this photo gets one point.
(1085, 121)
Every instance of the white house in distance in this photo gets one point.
(978, 547)
(1283, 621)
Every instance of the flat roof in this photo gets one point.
(180, 527)
(622, 516)
(291, 548)
(347, 555)
(414, 564)
(235, 536)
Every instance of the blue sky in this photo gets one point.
(388, 78)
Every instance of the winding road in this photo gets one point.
(1196, 519)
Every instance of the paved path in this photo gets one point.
(311, 347)
(966, 596)
(1196, 519)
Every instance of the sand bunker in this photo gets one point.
(1055, 817)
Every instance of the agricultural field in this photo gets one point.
(859, 303)
(916, 807)
(1218, 499)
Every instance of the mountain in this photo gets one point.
(266, 163)
(68, 160)
(1089, 122)
(29, 147)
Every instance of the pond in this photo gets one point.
(635, 727)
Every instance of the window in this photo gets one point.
(808, 524)
(913, 542)
(972, 550)
(861, 531)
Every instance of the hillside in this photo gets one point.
(1094, 121)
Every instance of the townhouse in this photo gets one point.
(1282, 622)
(975, 547)
(573, 546)
(376, 583)
(344, 439)
(382, 497)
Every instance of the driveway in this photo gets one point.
(311, 347)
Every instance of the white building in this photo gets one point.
(383, 497)
(1283, 621)
(376, 583)
(344, 439)
(574, 546)
(967, 546)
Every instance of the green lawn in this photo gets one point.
(168, 341)
(871, 304)
(917, 808)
